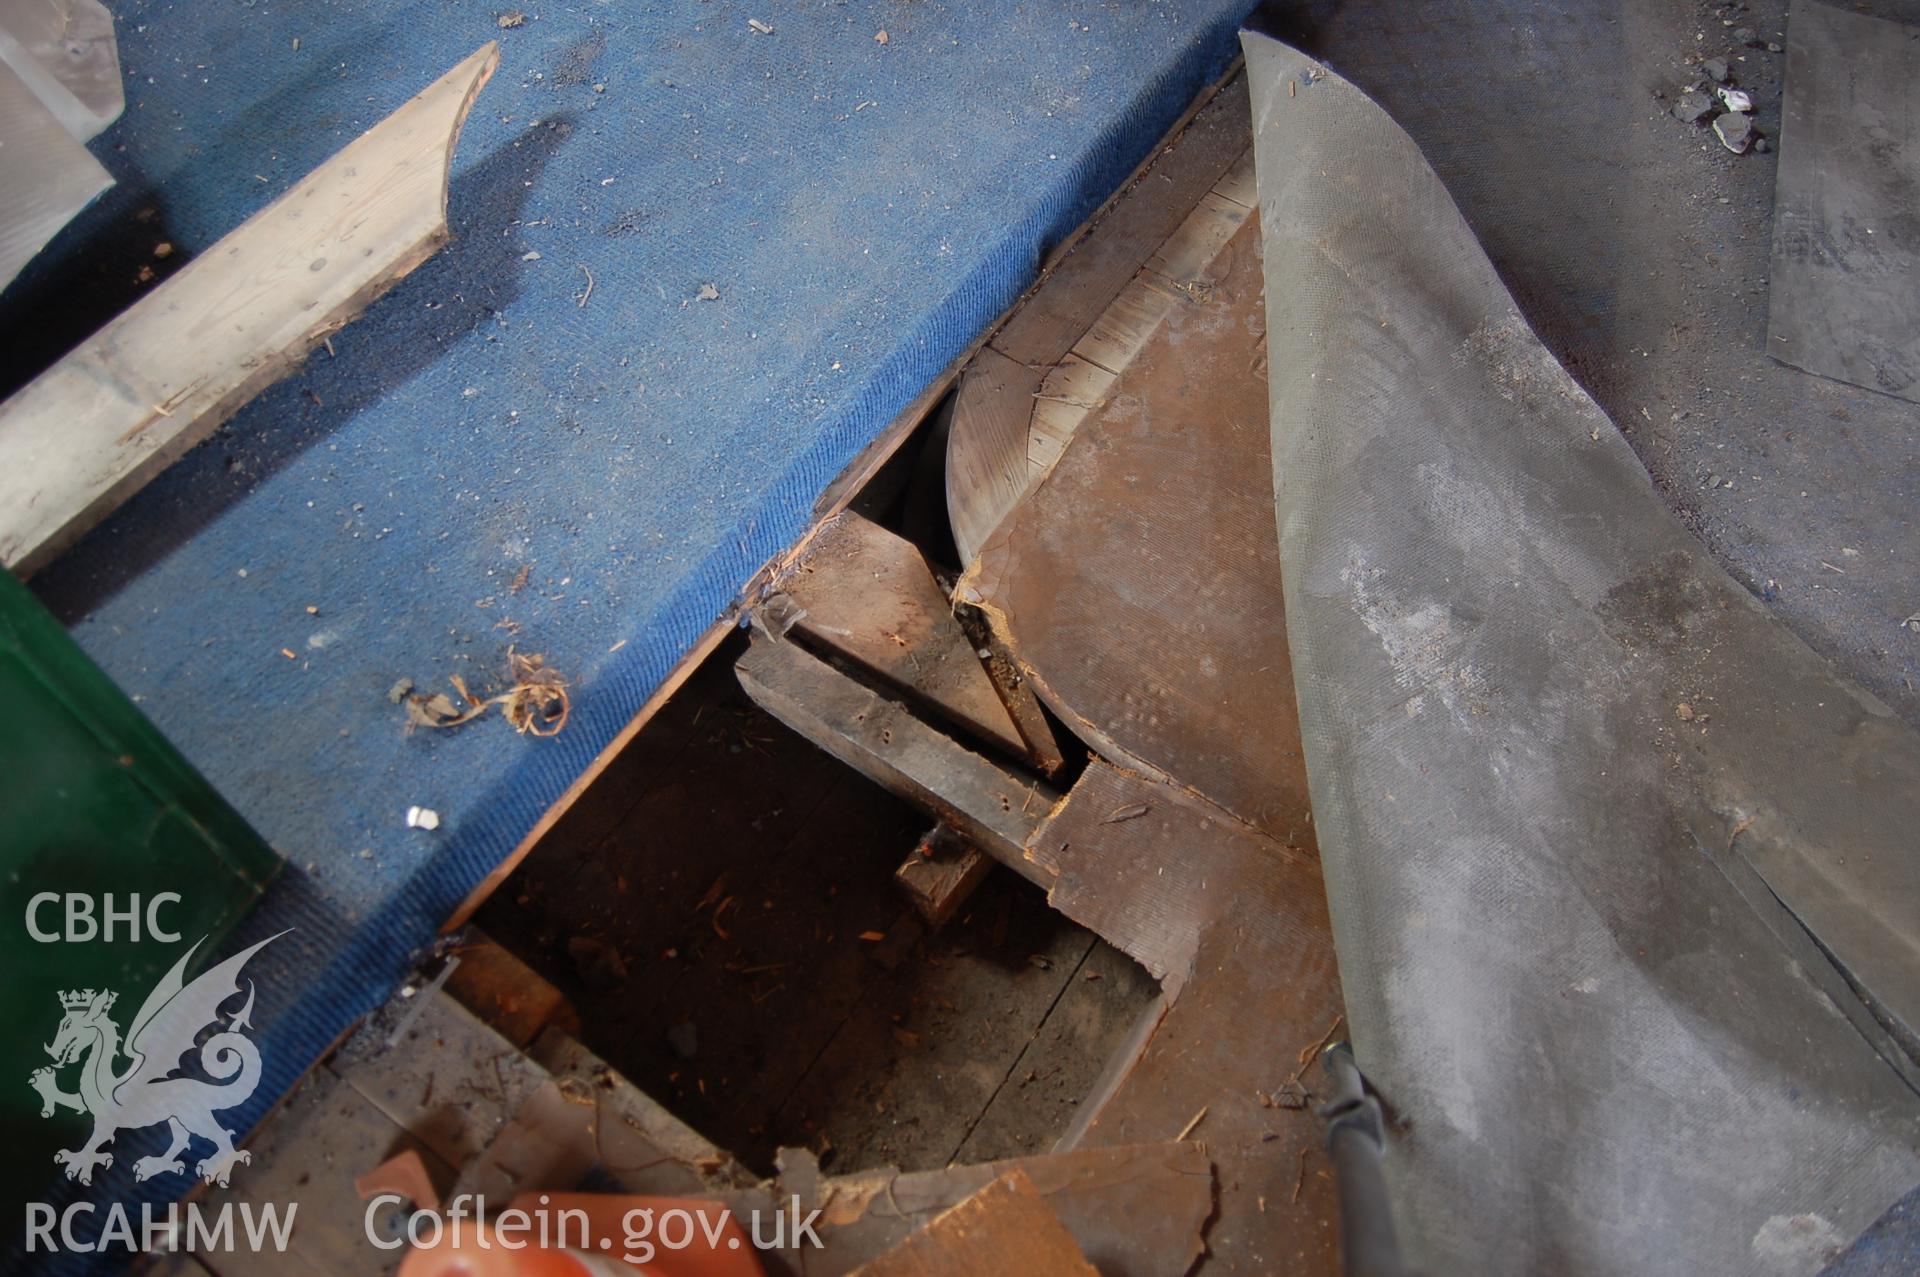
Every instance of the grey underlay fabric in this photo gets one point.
(1622, 875)
(1846, 230)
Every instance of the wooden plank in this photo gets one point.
(1074, 388)
(636, 1142)
(1239, 925)
(992, 808)
(869, 596)
(1006, 1227)
(1062, 1068)
(100, 424)
(905, 1079)
(989, 434)
(1176, 274)
(309, 1155)
(1135, 1212)
(435, 1070)
(1190, 252)
(551, 1144)
(987, 449)
(506, 994)
(1088, 277)
(1043, 747)
(940, 873)
(1125, 326)
(1237, 183)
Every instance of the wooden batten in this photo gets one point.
(103, 422)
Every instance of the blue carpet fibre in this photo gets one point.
(862, 209)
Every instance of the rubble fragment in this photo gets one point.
(1735, 131)
(1693, 107)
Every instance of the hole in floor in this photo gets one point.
(719, 906)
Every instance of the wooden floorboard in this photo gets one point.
(1088, 277)
(1240, 924)
(1006, 1227)
(949, 1033)
(1166, 647)
(987, 448)
(868, 595)
(1060, 1065)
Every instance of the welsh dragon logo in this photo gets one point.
(145, 1092)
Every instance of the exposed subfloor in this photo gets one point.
(720, 908)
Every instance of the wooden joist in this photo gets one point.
(993, 809)
(1232, 921)
(100, 424)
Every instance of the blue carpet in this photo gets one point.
(862, 209)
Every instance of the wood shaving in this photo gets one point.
(537, 704)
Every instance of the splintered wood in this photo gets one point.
(536, 703)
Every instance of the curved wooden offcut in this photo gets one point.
(100, 424)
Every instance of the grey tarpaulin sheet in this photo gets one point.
(1846, 223)
(1576, 790)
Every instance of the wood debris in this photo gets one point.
(537, 704)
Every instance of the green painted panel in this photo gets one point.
(95, 806)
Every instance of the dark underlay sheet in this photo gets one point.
(1846, 224)
(1583, 802)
